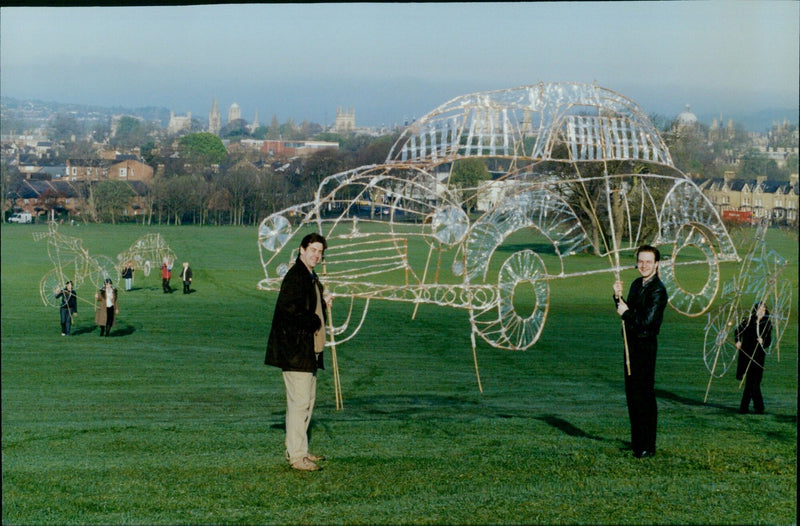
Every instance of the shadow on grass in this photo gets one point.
(565, 427)
(666, 395)
(406, 406)
(122, 331)
(118, 331)
(787, 419)
(413, 405)
(77, 331)
(143, 287)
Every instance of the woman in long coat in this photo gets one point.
(106, 308)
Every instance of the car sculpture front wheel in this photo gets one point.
(516, 318)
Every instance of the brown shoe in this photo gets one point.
(304, 464)
(315, 458)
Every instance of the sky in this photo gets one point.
(394, 62)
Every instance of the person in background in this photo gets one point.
(127, 274)
(166, 274)
(186, 277)
(753, 336)
(68, 308)
(295, 345)
(642, 314)
(106, 309)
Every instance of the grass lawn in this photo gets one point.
(175, 419)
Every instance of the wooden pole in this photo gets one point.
(616, 259)
(475, 361)
(710, 378)
(337, 386)
(625, 341)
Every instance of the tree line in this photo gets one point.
(200, 181)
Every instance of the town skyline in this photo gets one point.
(394, 63)
(757, 120)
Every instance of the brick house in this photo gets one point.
(38, 197)
(130, 170)
(123, 168)
(70, 193)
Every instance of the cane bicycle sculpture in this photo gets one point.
(576, 168)
(145, 253)
(71, 261)
(757, 280)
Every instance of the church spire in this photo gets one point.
(214, 119)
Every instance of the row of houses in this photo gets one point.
(753, 200)
(123, 168)
(42, 197)
(734, 199)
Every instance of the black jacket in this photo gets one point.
(748, 332)
(646, 304)
(69, 301)
(291, 338)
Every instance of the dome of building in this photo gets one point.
(234, 113)
(687, 118)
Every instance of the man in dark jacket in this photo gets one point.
(642, 313)
(68, 308)
(753, 337)
(296, 341)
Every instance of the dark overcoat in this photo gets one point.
(291, 338)
(748, 332)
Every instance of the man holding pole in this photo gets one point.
(296, 342)
(642, 314)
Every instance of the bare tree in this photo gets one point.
(239, 181)
(110, 198)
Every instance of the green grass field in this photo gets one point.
(175, 419)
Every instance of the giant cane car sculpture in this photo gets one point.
(576, 168)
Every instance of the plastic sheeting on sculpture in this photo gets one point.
(575, 168)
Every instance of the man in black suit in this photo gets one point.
(642, 313)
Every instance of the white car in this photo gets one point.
(20, 217)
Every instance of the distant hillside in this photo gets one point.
(39, 110)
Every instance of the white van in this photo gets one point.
(20, 217)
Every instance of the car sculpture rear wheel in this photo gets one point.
(681, 299)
